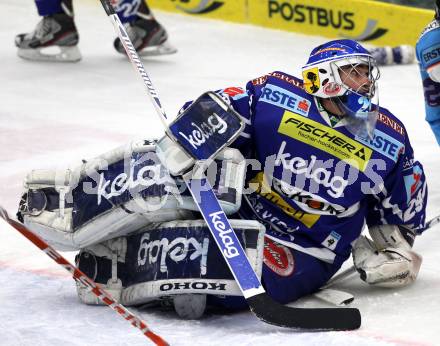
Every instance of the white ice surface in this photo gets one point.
(53, 115)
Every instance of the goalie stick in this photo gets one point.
(83, 279)
(259, 302)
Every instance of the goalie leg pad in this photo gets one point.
(174, 258)
(117, 193)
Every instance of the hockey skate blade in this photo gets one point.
(163, 49)
(51, 54)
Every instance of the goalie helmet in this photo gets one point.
(345, 72)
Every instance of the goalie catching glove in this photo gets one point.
(388, 260)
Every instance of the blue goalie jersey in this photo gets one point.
(313, 183)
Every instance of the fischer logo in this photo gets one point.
(230, 250)
(202, 7)
(326, 139)
(176, 250)
(320, 175)
(205, 130)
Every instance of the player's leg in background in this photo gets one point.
(55, 29)
(148, 36)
